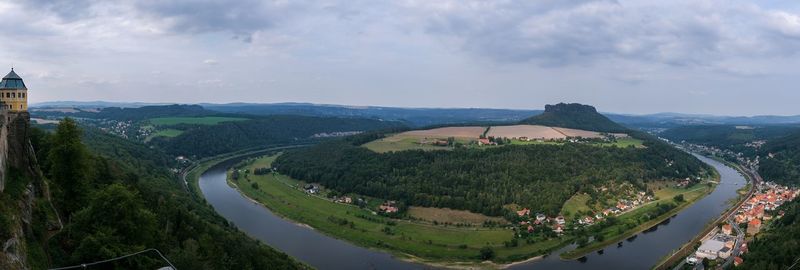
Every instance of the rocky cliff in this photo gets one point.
(22, 188)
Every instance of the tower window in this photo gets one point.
(14, 95)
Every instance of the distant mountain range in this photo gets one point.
(437, 116)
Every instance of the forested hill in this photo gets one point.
(209, 140)
(117, 197)
(782, 142)
(574, 115)
(725, 136)
(784, 165)
(485, 180)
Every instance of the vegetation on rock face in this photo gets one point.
(485, 180)
(575, 116)
(117, 197)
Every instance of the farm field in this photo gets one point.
(530, 131)
(422, 139)
(209, 120)
(442, 215)
(434, 243)
(416, 139)
(458, 132)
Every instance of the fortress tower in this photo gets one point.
(13, 93)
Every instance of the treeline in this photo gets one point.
(117, 197)
(779, 247)
(202, 140)
(784, 165)
(783, 143)
(728, 137)
(542, 177)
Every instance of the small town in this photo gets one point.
(558, 224)
(725, 244)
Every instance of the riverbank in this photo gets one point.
(691, 196)
(689, 247)
(437, 245)
(417, 242)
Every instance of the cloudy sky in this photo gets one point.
(694, 56)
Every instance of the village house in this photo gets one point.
(524, 212)
(540, 217)
(344, 199)
(486, 142)
(560, 220)
(558, 228)
(753, 226)
(727, 229)
(311, 189)
(389, 207)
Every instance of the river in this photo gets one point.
(641, 251)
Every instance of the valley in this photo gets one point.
(399, 135)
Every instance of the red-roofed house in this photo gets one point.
(524, 212)
(737, 261)
(753, 226)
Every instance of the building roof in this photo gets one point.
(711, 245)
(12, 81)
(755, 222)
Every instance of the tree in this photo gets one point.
(678, 198)
(68, 161)
(487, 253)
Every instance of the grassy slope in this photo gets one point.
(576, 203)
(426, 241)
(208, 120)
(450, 215)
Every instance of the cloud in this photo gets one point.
(681, 33)
(366, 50)
(241, 18)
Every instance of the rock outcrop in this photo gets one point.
(17, 155)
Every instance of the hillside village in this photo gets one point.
(725, 244)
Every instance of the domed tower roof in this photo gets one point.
(12, 81)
